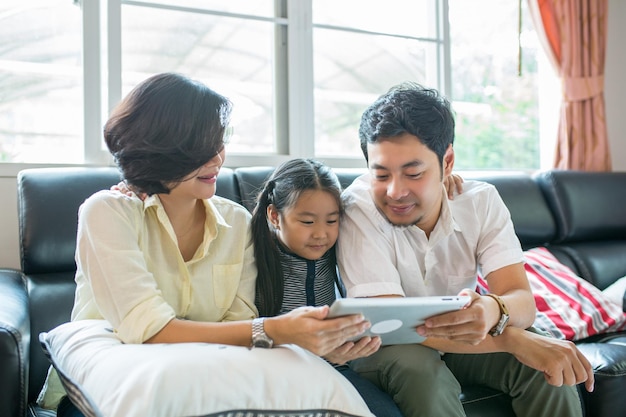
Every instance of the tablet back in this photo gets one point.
(395, 319)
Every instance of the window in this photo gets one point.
(299, 73)
(40, 81)
(228, 45)
(495, 91)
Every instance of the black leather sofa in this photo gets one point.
(580, 216)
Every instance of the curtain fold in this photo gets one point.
(574, 34)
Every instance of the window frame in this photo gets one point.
(295, 135)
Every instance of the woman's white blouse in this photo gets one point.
(131, 272)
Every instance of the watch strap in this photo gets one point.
(259, 337)
(504, 316)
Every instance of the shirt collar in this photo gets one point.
(213, 215)
(446, 224)
(213, 222)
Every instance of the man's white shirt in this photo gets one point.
(473, 231)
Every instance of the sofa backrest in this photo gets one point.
(590, 208)
(588, 205)
(48, 201)
(533, 221)
(250, 181)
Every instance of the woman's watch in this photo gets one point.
(259, 337)
(504, 316)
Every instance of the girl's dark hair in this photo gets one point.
(282, 189)
(167, 127)
(409, 108)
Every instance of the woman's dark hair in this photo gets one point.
(282, 189)
(167, 127)
(409, 108)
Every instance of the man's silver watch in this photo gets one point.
(259, 337)
(504, 316)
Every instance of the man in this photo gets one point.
(401, 236)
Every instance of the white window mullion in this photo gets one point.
(445, 63)
(280, 79)
(114, 52)
(92, 77)
(300, 68)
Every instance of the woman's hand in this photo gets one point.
(308, 328)
(453, 182)
(363, 347)
(123, 188)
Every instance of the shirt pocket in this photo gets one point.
(225, 284)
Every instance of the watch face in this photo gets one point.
(262, 343)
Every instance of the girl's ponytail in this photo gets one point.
(269, 283)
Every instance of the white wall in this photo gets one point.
(615, 84)
(9, 248)
(615, 96)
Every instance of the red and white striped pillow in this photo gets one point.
(568, 307)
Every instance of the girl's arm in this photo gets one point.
(361, 348)
(453, 183)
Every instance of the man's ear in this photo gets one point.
(448, 161)
(273, 216)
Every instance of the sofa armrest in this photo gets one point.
(14, 343)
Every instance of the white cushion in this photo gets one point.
(615, 292)
(105, 377)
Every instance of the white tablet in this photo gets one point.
(395, 319)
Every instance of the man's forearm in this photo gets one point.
(490, 344)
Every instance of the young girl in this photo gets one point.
(177, 265)
(295, 225)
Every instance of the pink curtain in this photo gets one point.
(573, 33)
